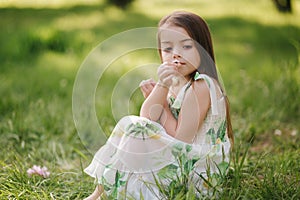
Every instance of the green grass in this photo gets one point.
(43, 46)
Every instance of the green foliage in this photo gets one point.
(257, 52)
(111, 191)
(33, 44)
(181, 181)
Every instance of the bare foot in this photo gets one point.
(96, 194)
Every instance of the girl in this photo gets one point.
(184, 120)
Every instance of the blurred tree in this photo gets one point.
(283, 5)
(123, 4)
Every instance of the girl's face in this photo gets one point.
(177, 45)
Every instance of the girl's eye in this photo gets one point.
(187, 46)
(167, 49)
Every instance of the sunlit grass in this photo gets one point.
(260, 11)
(45, 3)
(78, 22)
(62, 63)
(257, 50)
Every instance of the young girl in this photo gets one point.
(184, 120)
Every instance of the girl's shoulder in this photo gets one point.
(199, 89)
(203, 78)
(207, 85)
(200, 86)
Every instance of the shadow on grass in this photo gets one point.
(28, 31)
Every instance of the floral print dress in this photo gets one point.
(139, 156)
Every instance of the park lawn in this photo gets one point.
(43, 46)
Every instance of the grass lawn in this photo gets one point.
(42, 46)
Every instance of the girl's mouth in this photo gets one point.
(177, 62)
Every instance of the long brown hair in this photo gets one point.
(198, 30)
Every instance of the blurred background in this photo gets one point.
(44, 42)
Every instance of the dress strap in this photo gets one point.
(178, 101)
(212, 91)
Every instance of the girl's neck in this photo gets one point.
(174, 89)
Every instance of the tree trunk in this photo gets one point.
(283, 5)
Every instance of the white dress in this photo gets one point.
(139, 153)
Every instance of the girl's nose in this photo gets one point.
(176, 54)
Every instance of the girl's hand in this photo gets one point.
(166, 72)
(146, 87)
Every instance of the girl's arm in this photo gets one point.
(146, 87)
(155, 103)
(192, 114)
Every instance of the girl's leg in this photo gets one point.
(96, 194)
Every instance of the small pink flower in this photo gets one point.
(38, 170)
